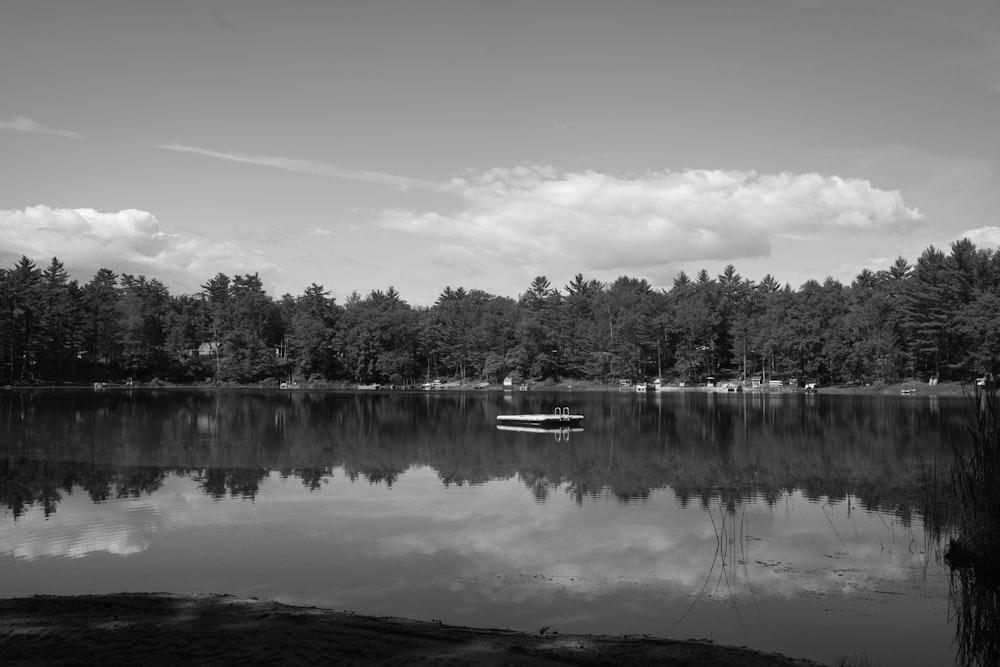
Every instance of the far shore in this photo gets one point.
(897, 388)
(907, 387)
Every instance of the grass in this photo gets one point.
(976, 487)
(856, 661)
(974, 555)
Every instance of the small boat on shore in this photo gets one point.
(561, 418)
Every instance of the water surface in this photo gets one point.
(790, 523)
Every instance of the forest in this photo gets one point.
(938, 317)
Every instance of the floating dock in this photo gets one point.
(561, 418)
(539, 429)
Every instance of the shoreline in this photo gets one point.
(214, 629)
(908, 387)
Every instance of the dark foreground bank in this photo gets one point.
(167, 629)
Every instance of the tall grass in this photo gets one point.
(856, 661)
(977, 611)
(974, 555)
(976, 484)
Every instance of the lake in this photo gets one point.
(794, 523)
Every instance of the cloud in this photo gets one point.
(311, 167)
(129, 241)
(22, 124)
(984, 237)
(544, 220)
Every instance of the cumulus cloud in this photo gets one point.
(983, 237)
(542, 218)
(22, 124)
(129, 241)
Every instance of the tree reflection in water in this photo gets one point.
(118, 445)
(734, 457)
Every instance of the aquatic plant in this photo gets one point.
(974, 555)
(976, 485)
(856, 661)
(726, 506)
(976, 592)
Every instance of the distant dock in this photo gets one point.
(561, 418)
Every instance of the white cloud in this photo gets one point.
(545, 220)
(129, 241)
(307, 167)
(22, 124)
(984, 237)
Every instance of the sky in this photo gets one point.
(425, 144)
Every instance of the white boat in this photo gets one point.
(660, 385)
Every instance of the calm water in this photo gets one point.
(787, 523)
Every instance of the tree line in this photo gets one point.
(936, 318)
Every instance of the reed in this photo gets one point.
(974, 554)
(856, 661)
(976, 486)
(976, 594)
(726, 506)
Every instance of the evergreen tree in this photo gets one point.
(310, 338)
(928, 311)
(60, 323)
(22, 318)
(632, 327)
(216, 294)
(692, 326)
(585, 338)
(539, 344)
(103, 334)
(144, 306)
(250, 346)
(379, 338)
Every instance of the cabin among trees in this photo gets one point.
(938, 317)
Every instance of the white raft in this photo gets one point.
(561, 418)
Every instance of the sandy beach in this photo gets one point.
(168, 629)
